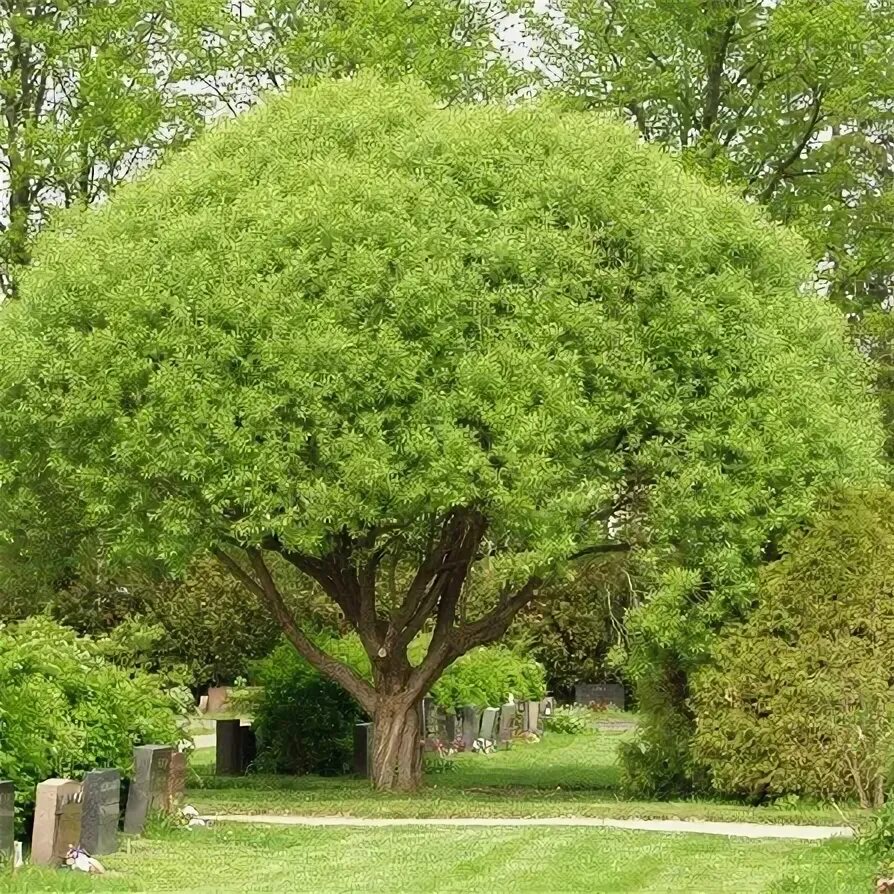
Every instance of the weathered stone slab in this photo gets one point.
(175, 782)
(600, 694)
(228, 753)
(101, 812)
(547, 706)
(531, 717)
(470, 717)
(57, 821)
(363, 749)
(7, 821)
(149, 785)
(507, 723)
(490, 718)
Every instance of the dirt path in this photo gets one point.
(730, 830)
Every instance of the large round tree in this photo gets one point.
(429, 357)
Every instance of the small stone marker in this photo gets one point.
(600, 693)
(149, 786)
(7, 821)
(471, 723)
(548, 706)
(507, 723)
(531, 720)
(228, 754)
(489, 724)
(101, 812)
(175, 782)
(57, 821)
(363, 749)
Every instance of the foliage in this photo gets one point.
(787, 101)
(573, 719)
(389, 341)
(798, 699)
(304, 722)
(878, 836)
(576, 623)
(65, 710)
(94, 91)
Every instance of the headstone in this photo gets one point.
(363, 749)
(218, 700)
(101, 812)
(248, 747)
(7, 821)
(203, 704)
(149, 786)
(507, 723)
(471, 723)
(228, 754)
(548, 706)
(489, 724)
(175, 782)
(531, 717)
(600, 694)
(429, 716)
(57, 821)
(450, 728)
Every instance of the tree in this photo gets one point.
(92, 91)
(798, 699)
(427, 357)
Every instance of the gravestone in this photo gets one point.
(490, 719)
(7, 821)
(57, 821)
(600, 693)
(471, 723)
(531, 717)
(248, 747)
(507, 723)
(149, 786)
(101, 812)
(228, 753)
(175, 781)
(363, 749)
(548, 706)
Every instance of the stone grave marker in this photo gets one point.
(490, 719)
(507, 723)
(7, 821)
(363, 749)
(228, 753)
(149, 786)
(547, 706)
(531, 717)
(57, 821)
(471, 723)
(600, 693)
(101, 812)
(175, 781)
(248, 747)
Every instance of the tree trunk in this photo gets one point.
(397, 745)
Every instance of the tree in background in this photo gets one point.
(788, 101)
(92, 91)
(389, 342)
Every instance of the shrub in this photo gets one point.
(574, 719)
(64, 709)
(798, 699)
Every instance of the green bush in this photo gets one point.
(799, 699)
(64, 709)
(574, 719)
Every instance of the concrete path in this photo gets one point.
(730, 830)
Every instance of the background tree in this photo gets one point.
(790, 101)
(389, 342)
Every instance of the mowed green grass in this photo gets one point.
(561, 776)
(261, 859)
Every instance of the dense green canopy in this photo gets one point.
(351, 320)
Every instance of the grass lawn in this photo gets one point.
(261, 859)
(560, 776)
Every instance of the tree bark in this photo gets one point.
(397, 745)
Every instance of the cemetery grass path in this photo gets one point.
(727, 829)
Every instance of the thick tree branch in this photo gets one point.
(264, 587)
